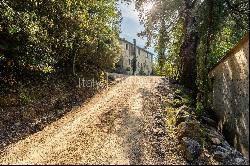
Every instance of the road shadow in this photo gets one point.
(48, 102)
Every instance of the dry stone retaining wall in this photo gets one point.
(230, 79)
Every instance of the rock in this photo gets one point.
(228, 156)
(59, 112)
(111, 77)
(216, 141)
(225, 144)
(192, 148)
(220, 148)
(189, 129)
(239, 161)
(219, 155)
(183, 116)
(215, 137)
(208, 121)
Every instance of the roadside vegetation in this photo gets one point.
(40, 38)
(45, 48)
(191, 36)
(199, 141)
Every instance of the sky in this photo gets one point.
(131, 26)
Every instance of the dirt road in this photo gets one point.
(122, 125)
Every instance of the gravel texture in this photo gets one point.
(124, 124)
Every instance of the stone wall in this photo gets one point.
(230, 81)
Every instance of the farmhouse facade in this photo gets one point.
(131, 53)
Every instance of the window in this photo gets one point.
(129, 62)
(126, 46)
(139, 51)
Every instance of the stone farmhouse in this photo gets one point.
(143, 59)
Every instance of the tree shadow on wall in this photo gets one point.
(234, 117)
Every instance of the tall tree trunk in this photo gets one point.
(207, 52)
(162, 47)
(189, 47)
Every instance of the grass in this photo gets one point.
(182, 98)
(177, 103)
(203, 141)
(178, 92)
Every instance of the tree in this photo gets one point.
(63, 36)
(218, 30)
(189, 45)
(161, 20)
(199, 33)
(161, 44)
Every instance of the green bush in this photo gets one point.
(178, 92)
(171, 116)
(49, 36)
(199, 109)
(177, 103)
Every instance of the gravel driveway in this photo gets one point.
(124, 124)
